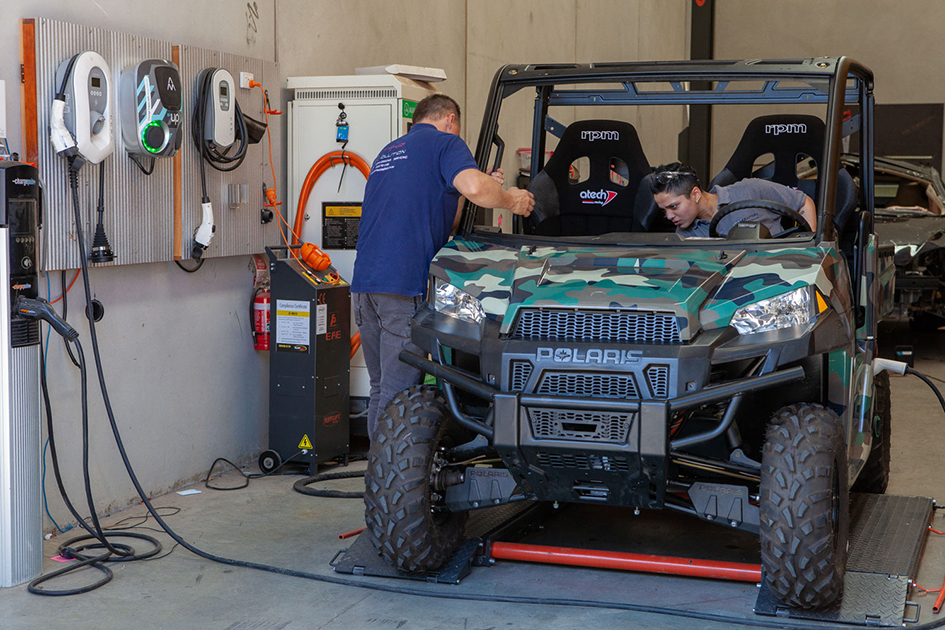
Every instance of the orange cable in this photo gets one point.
(321, 165)
(74, 278)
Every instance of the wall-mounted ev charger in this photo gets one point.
(81, 120)
(150, 108)
(217, 125)
(220, 123)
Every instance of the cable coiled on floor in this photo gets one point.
(301, 485)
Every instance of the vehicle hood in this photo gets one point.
(702, 288)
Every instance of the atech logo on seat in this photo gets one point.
(599, 197)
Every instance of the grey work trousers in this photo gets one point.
(384, 322)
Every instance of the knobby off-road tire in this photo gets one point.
(875, 474)
(804, 506)
(399, 514)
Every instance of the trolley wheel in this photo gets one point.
(269, 461)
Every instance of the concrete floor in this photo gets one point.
(269, 523)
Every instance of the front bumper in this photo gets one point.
(590, 421)
(619, 451)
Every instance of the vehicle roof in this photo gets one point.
(814, 67)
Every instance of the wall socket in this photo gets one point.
(245, 78)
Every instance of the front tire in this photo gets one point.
(805, 506)
(406, 519)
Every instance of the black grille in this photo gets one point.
(608, 326)
(657, 377)
(518, 375)
(594, 385)
(24, 333)
(585, 426)
(584, 461)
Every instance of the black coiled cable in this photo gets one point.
(210, 153)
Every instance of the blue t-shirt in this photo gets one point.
(408, 211)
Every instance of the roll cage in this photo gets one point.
(836, 81)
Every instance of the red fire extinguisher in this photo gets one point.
(261, 319)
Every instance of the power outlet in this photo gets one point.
(245, 78)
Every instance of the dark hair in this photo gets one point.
(434, 107)
(676, 179)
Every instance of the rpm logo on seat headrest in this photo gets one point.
(591, 136)
(786, 128)
(600, 197)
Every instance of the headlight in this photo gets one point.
(449, 300)
(789, 309)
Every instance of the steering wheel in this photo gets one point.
(762, 204)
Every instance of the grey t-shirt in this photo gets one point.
(744, 190)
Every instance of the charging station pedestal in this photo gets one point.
(309, 365)
(21, 515)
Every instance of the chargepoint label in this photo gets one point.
(293, 325)
(599, 197)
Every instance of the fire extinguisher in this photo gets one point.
(259, 303)
(261, 319)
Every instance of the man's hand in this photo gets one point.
(522, 201)
(498, 175)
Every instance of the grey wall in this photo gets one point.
(185, 383)
(898, 40)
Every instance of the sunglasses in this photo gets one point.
(666, 177)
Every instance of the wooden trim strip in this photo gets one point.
(29, 114)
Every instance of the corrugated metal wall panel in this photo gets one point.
(238, 229)
(139, 211)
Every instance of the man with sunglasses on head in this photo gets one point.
(678, 193)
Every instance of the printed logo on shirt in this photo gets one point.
(599, 197)
(591, 136)
(791, 128)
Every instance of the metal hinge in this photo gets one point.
(22, 73)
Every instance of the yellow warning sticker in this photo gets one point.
(305, 443)
(343, 211)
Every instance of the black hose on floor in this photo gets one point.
(301, 485)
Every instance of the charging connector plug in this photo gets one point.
(895, 367)
(204, 232)
(39, 309)
(62, 140)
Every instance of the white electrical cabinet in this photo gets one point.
(378, 109)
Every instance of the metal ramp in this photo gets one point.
(887, 535)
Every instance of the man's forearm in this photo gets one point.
(484, 191)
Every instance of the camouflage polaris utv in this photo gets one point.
(588, 354)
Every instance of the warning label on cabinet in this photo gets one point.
(293, 325)
(321, 319)
(340, 224)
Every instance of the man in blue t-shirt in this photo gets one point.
(677, 191)
(411, 205)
